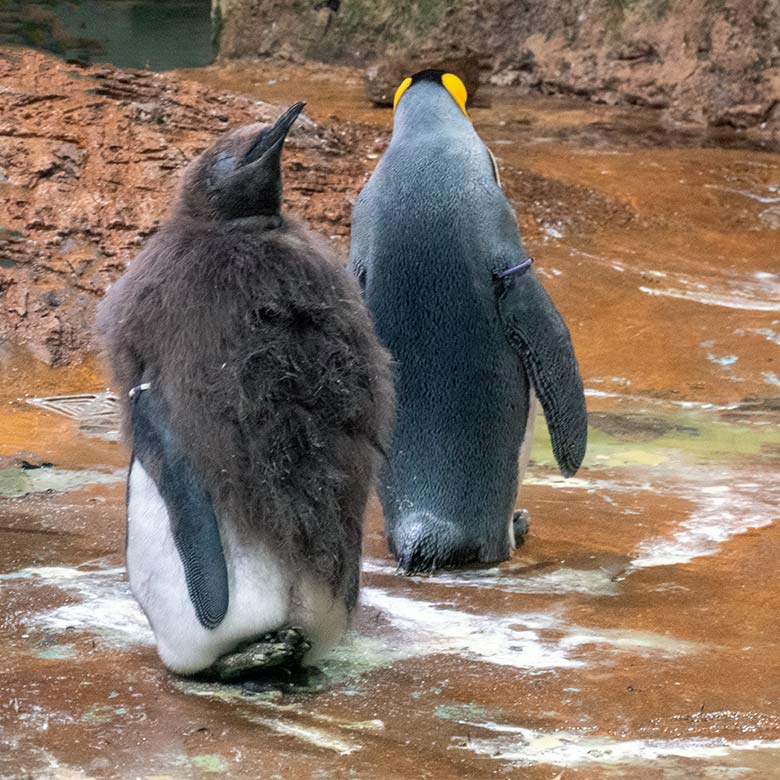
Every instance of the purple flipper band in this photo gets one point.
(525, 264)
(139, 388)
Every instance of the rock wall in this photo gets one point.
(330, 30)
(714, 62)
(89, 157)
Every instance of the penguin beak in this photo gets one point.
(272, 137)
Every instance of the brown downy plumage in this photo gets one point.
(260, 349)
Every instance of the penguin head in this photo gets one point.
(431, 96)
(240, 175)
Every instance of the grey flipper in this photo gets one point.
(356, 267)
(193, 522)
(540, 337)
(362, 230)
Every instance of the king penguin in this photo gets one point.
(256, 398)
(437, 251)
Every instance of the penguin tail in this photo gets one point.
(423, 542)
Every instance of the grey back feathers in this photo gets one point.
(262, 353)
(432, 231)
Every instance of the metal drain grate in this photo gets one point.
(96, 413)
(83, 406)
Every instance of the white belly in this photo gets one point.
(528, 439)
(525, 452)
(263, 596)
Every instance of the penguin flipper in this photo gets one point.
(360, 242)
(193, 522)
(537, 332)
(358, 269)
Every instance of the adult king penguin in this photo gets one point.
(255, 398)
(436, 249)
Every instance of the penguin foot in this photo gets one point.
(423, 542)
(521, 522)
(280, 648)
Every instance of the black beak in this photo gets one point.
(275, 135)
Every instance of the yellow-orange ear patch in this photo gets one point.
(405, 84)
(456, 88)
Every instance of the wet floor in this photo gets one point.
(634, 636)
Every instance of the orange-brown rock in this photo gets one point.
(89, 157)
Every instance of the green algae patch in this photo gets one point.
(55, 653)
(356, 656)
(461, 712)
(209, 762)
(434, 691)
(102, 713)
(229, 694)
(17, 482)
(651, 440)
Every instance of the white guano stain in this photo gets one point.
(570, 749)
(511, 579)
(724, 300)
(106, 606)
(288, 723)
(724, 508)
(746, 193)
(309, 734)
(703, 405)
(770, 334)
(725, 503)
(759, 291)
(531, 641)
(427, 628)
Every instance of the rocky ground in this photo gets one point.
(89, 157)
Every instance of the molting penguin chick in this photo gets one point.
(255, 398)
(436, 248)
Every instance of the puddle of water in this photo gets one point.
(397, 631)
(725, 503)
(679, 435)
(152, 34)
(529, 641)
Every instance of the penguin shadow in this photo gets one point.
(281, 679)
